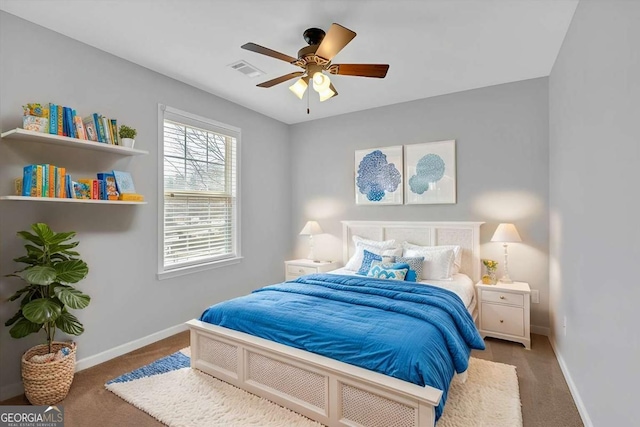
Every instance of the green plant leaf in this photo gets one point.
(61, 237)
(31, 237)
(33, 251)
(28, 297)
(23, 328)
(39, 275)
(60, 248)
(59, 256)
(70, 253)
(71, 271)
(26, 260)
(19, 292)
(69, 324)
(14, 319)
(43, 231)
(41, 310)
(72, 297)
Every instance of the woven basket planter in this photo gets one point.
(48, 383)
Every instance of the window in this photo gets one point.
(199, 193)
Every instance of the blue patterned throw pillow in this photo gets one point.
(367, 259)
(379, 272)
(411, 274)
(415, 264)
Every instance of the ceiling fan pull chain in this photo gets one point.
(308, 102)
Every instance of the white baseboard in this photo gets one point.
(541, 330)
(16, 389)
(582, 410)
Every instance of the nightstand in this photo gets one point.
(299, 267)
(504, 311)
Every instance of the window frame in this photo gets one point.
(195, 120)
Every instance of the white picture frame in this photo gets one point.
(430, 173)
(379, 176)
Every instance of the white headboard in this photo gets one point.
(425, 233)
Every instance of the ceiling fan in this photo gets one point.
(316, 58)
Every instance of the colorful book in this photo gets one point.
(90, 128)
(35, 123)
(28, 179)
(124, 182)
(131, 197)
(111, 189)
(81, 190)
(59, 109)
(17, 187)
(53, 119)
(114, 129)
(39, 180)
(79, 127)
(68, 187)
(107, 132)
(100, 128)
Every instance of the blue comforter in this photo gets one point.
(414, 332)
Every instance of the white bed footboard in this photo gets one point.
(328, 391)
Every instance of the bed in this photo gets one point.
(329, 391)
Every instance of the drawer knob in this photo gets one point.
(300, 271)
(502, 321)
(501, 296)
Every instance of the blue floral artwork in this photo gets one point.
(379, 176)
(431, 173)
(429, 169)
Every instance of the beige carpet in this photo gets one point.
(186, 397)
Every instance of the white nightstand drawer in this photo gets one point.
(300, 270)
(503, 297)
(503, 319)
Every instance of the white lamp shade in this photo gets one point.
(321, 82)
(506, 233)
(299, 87)
(311, 228)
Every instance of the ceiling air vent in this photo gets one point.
(246, 69)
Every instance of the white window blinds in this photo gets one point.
(200, 191)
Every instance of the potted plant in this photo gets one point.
(51, 266)
(127, 136)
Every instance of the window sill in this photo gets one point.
(169, 274)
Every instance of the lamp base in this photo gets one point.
(506, 279)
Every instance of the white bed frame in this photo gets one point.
(328, 391)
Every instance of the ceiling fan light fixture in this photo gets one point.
(326, 94)
(299, 88)
(321, 82)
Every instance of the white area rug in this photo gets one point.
(178, 396)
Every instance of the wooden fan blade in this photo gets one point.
(335, 40)
(281, 79)
(269, 52)
(362, 70)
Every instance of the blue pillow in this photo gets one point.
(411, 274)
(379, 272)
(367, 259)
(415, 264)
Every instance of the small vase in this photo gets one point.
(490, 278)
(128, 142)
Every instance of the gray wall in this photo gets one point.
(120, 242)
(594, 90)
(501, 135)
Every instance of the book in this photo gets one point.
(111, 190)
(79, 127)
(52, 181)
(35, 123)
(99, 128)
(114, 128)
(90, 128)
(107, 129)
(131, 197)
(60, 121)
(124, 182)
(60, 182)
(39, 180)
(81, 190)
(17, 187)
(68, 187)
(89, 184)
(53, 119)
(45, 180)
(28, 180)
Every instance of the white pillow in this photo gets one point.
(457, 251)
(383, 248)
(438, 264)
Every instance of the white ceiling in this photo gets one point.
(433, 47)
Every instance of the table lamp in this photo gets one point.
(310, 229)
(506, 233)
